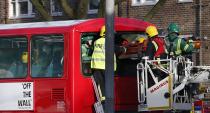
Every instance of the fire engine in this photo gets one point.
(42, 69)
(176, 91)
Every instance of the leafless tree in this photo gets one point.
(80, 11)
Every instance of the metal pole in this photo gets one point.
(198, 28)
(109, 58)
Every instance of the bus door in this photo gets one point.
(126, 74)
(47, 57)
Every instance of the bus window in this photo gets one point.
(47, 53)
(87, 40)
(135, 44)
(13, 57)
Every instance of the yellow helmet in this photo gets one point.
(102, 32)
(141, 39)
(151, 31)
(24, 57)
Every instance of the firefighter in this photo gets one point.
(141, 46)
(155, 50)
(178, 46)
(98, 63)
(156, 45)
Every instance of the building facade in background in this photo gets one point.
(192, 16)
(17, 11)
(3, 11)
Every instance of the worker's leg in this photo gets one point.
(100, 81)
(150, 80)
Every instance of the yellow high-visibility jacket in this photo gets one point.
(98, 56)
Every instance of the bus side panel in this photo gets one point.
(83, 93)
(68, 69)
(51, 93)
(126, 93)
(45, 96)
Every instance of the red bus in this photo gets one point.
(42, 69)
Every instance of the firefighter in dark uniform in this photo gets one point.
(155, 50)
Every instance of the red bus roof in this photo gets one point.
(89, 25)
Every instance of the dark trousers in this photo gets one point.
(99, 77)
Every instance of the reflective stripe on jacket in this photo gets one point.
(181, 46)
(98, 56)
(160, 48)
(178, 50)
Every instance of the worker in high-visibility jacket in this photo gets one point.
(178, 46)
(87, 48)
(156, 45)
(98, 63)
(156, 50)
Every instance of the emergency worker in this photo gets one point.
(86, 53)
(178, 46)
(142, 45)
(156, 45)
(98, 63)
(155, 50)
(141, 40)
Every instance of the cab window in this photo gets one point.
(13, 57)
(47, 53)
(87, 40)
(135, 44)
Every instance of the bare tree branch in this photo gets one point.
(67, 8)
(42, 11)
(101, 8)
(82, 9)
(154, 10)
(79, 12)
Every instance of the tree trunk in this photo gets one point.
(154, 10)
(82, 9)
(101, 8)
(41, 10)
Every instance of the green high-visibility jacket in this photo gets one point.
(98, 56)
(180, 46)
(85, 53)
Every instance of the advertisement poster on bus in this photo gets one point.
(16, 96)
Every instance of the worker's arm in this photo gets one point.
(120, 49)
(187, 47)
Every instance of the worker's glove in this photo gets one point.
(124, 49)
(120, 50)
(190, 41)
